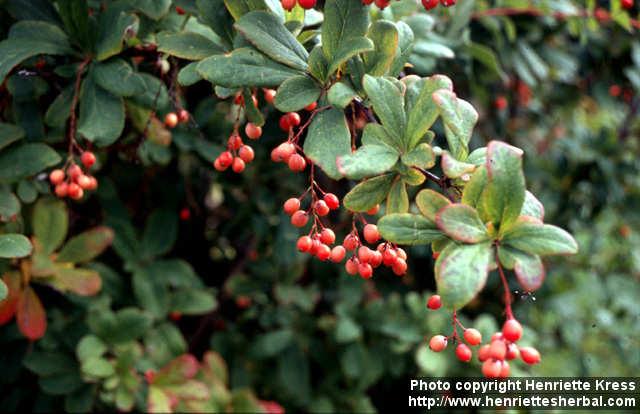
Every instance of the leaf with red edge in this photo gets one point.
(86, 246)
(528, 268)
(461, 222)
(31, 316)
(8, 305)
(83, 282)
(177, 371)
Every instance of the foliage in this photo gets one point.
(138, 293)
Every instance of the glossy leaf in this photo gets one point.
(327, 139)
(295, 93)
(504, 193)
(267, 33)
(50, 224)
(462, 223)
(86, 246)
(368, 193)
(461, 272)
(406, 228)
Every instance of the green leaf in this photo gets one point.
(160, 233)
(272, 343)
(453, 168)
(215, 15)
(26, 160)
(368, 193)
(27, 191)
(530, 235)
(375, 134)
(238, 8)
(406, 228)
(348, 49)
(117, 77)
(193, 302)
(385, 38)
(130, 324)
(50, 224)
(189, 75)
(97, 367)
(318, 65)
(327, 139)
(155, 9)
(9, 134)
(461, 272)
(9, 204)
(14, 245)
(4, 290)
(113, 27)
(343, 20)
(244, 67)
(341, 95)
(503, 196)
(367, 161)
(388, 104)
(86, 246)
(90, 346)
(101, 114)
(429, 202)
(405, 47)
(532, 207)
(347, 330)
(151, 293)
(462, 223)
(486, 56)
(267, 33)
(459, 118)
(187, 45)
(398, 199)
(528, 268)
(295, 93)
(58, 112)
(251, 111)
(472, 193)
(75, 16)
(421, 156)
(84, 282)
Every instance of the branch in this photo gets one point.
(73, 120)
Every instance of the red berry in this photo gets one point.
(315, 246)
(269, 95)
(226, 158)
(93, 183)
(56, 176)
(218, 165)
(88, 159)
(365, 270)
(338, 253)
(175, 316)
(367, 2)
(530, 355)
(185, 214)
(429, 4)
(463, 352)
(84, 182)
(504, 371)
(288, 4)
(615, 90)
(496, 336)
(299, 218)
(491, 368)
(483, 352)
(472, 336)
(351, 242)
(376, 258)
(291, 205)
(351, 266)
(307, 4)
(438, 343)
(371, 234)
(179, 10)
(246, 153)
(364, 254)
(501, 103)
(253, 131)
(447, 3)
(321, 208)
(74, 191)
(434, 302)
(74, 171)
(498, 350)
(332, 201)
(171, 120)
(399, 267)
(374, 210)
(297, 163)
(401, 253)
(183, 116)
(238, 165)
(304, 243)
(327, 236)
(311, 106)
(627, 4)
(284, 123)
(234, 142)
(293, 118)
(389, 256)
(62, 190)
(512, 352)
(285, 150)
(382, 4)
(324, 252)
(512, 330)
(149, 375)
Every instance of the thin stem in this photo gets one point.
(73, 120)
(507, 292)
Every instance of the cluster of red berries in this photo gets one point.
(305, 4)
(366, 259)
(238, 154)
(75, 181)
(428, 4)
(495, 355)
(319, 208)
(287, 152)
(172, 119)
